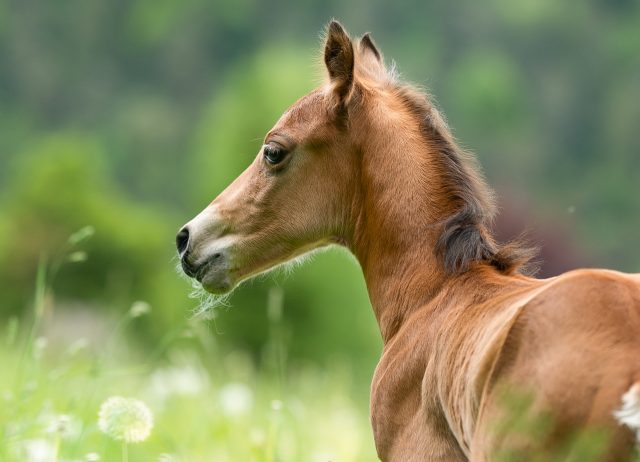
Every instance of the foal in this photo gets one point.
(368, 163)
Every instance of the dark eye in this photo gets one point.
(273, 154)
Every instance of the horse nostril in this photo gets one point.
(182, 241)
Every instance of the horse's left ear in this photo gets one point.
(369, 48)
(369, 58)
(338, 57)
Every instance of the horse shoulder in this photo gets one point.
(408, 424)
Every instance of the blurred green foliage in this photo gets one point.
(130, 116)
(60, 186)
(256, 91)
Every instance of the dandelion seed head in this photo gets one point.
(92, 457)
(65, 426)
(125, 419)
(62, 423)
(236, 399)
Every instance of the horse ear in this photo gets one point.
(368, 47)
(369, 58)
(338, 57)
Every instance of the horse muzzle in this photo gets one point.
(204, 251)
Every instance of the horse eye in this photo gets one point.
(274, 154)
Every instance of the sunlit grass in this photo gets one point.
(205, 404)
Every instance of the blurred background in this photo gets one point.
(131, 116)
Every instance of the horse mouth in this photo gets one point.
(213, 273)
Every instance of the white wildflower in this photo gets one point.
(164, 457)
(139, 308)
(323, 455)
(181, 381)
(257, 437)
(39, 346)
(125, 419)
(37, 450)
(342, 433)
(236, 399)
(276, 405)
(30, 386)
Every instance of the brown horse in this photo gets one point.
(368, 163)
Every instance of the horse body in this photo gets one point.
(570, 340)
(368, 163)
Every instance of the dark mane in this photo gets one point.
(466, 234)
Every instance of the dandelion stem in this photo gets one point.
(125, 452)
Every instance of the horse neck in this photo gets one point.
(397, 212)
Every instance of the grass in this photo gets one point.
(206, 405)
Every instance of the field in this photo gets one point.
(205, 405)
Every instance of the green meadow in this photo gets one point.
(199, 403)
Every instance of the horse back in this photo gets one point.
(572, 352)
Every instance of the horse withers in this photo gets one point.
(367, 162)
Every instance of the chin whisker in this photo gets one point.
(207, 303)
(205, 309)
